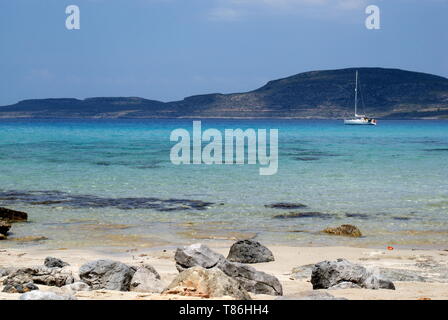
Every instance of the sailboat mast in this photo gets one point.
(356, 95)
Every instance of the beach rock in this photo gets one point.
(75, 287)
(51, 262)
(12, 215)
(344, 230)
(107, 274)
(197, 255)
(40, 275)
(249, 251)
(286, 205)
(3, 237)
(45, 295)
(4, 227)
(311, 295)
(206, 283)
(251, 279)
(146, 279)
(19, 288)
(328, 274)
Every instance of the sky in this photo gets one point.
(169, 49)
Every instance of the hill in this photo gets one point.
(385, 93)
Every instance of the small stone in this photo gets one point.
(386, 284)
(249, 251)
(51, 262)
(344, 230)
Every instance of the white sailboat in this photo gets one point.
(359, 119)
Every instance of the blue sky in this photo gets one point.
(169, 49)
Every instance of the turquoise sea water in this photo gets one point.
(389, 180)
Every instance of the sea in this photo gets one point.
(110, 184)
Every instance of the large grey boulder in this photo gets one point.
(40, 275)
(146, 279)
(252, 280)
(197, 255)
(249, 251)
(107, 274)
(45, 295)
(51, 262)
(206, 283)
(328, 274)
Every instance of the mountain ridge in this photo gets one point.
(325, 94)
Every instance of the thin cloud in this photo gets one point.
(230, 10)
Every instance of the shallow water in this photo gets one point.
(389, 180)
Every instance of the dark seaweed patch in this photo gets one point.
(286, 205)
(297, 215)
(307, 158)
(51, 198)
(357, 215)
(437, 150)
(103, 163)
(401, 218)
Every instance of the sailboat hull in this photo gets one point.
(359, 122)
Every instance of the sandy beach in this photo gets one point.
(428, 264)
